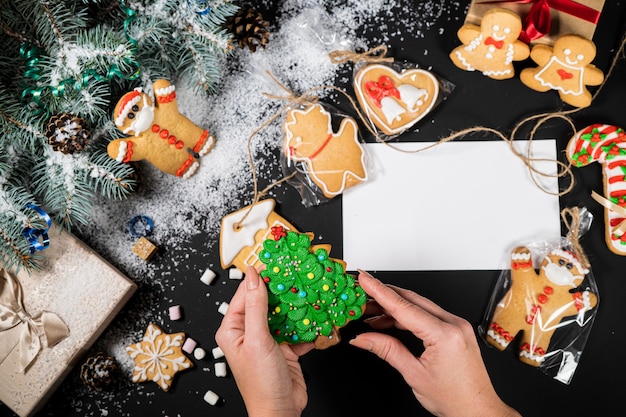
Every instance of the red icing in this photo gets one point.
(201, 141)
(321, 148)
(185, 166)
(278, 232)
(168, 98)
(492, 41)
(377, 90)
(564, 74)
(128, 97)
(129, 151)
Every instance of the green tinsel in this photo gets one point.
(63, 56)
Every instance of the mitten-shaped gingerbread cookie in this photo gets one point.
(493, 46)
(334, 161)
(159, 133)
(538, 303)
(606, 144)
(566, 67)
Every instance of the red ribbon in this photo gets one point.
(380, 89)
(538, 21)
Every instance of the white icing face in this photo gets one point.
(560, 274)
(503, 31)
(570, 59)
(143, 119)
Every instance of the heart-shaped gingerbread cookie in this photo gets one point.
(395, 101)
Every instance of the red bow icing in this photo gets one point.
(492, 41)
(377, 90)
(278, 232)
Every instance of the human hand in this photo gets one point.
(268, 375)
(449, 378)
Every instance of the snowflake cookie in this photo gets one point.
(158, 357)
(309, 294)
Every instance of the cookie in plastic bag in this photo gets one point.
(551, 308)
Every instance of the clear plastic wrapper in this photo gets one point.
(545, 305)
(395, 96)
(322, 154)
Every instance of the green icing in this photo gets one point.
(308, 293)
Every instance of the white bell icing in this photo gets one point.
(412, 97)
(391, 109)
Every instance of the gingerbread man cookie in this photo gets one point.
(491, 47)
(537, 304)
(566, 67)
(333, 161)
(606, 144)
(159, 133)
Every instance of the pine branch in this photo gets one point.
(174, 39)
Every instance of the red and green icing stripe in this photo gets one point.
(586, 146)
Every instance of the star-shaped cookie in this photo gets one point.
(158, 357)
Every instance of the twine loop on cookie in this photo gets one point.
(292, 99)
(343, 56)
(572, 220)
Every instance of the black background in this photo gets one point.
(345, 381)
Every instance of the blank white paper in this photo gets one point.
(456, 206)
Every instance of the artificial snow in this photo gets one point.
(297, 56)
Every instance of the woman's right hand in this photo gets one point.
(449, 378)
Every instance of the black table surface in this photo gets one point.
(345, 381)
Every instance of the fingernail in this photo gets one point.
(367, 274)
(365, 345)
(252, 278)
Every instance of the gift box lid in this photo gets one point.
(86, 293)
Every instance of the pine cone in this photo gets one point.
(98, 371)
(249, 28)
(67, 133)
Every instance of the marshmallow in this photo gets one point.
(211, 397)
(220, 369)
(175, 312)
(223, 308)
(234, 273)
(217, 353)
(189, 345)
(208, 277)
(199, 353)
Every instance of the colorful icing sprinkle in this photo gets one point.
(309, 293)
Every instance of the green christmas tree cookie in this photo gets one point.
(310, 295)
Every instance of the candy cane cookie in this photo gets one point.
(606, 144)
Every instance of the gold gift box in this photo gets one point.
(561, 23)
(86, 292)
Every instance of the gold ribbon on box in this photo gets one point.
(19, 330)
(538, 21)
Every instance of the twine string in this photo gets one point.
(378, 54)
(372, 55)
(571, 219)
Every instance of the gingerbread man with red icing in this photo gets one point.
(537, 304)
(158, 133)
(566, 68)
(491, 47)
